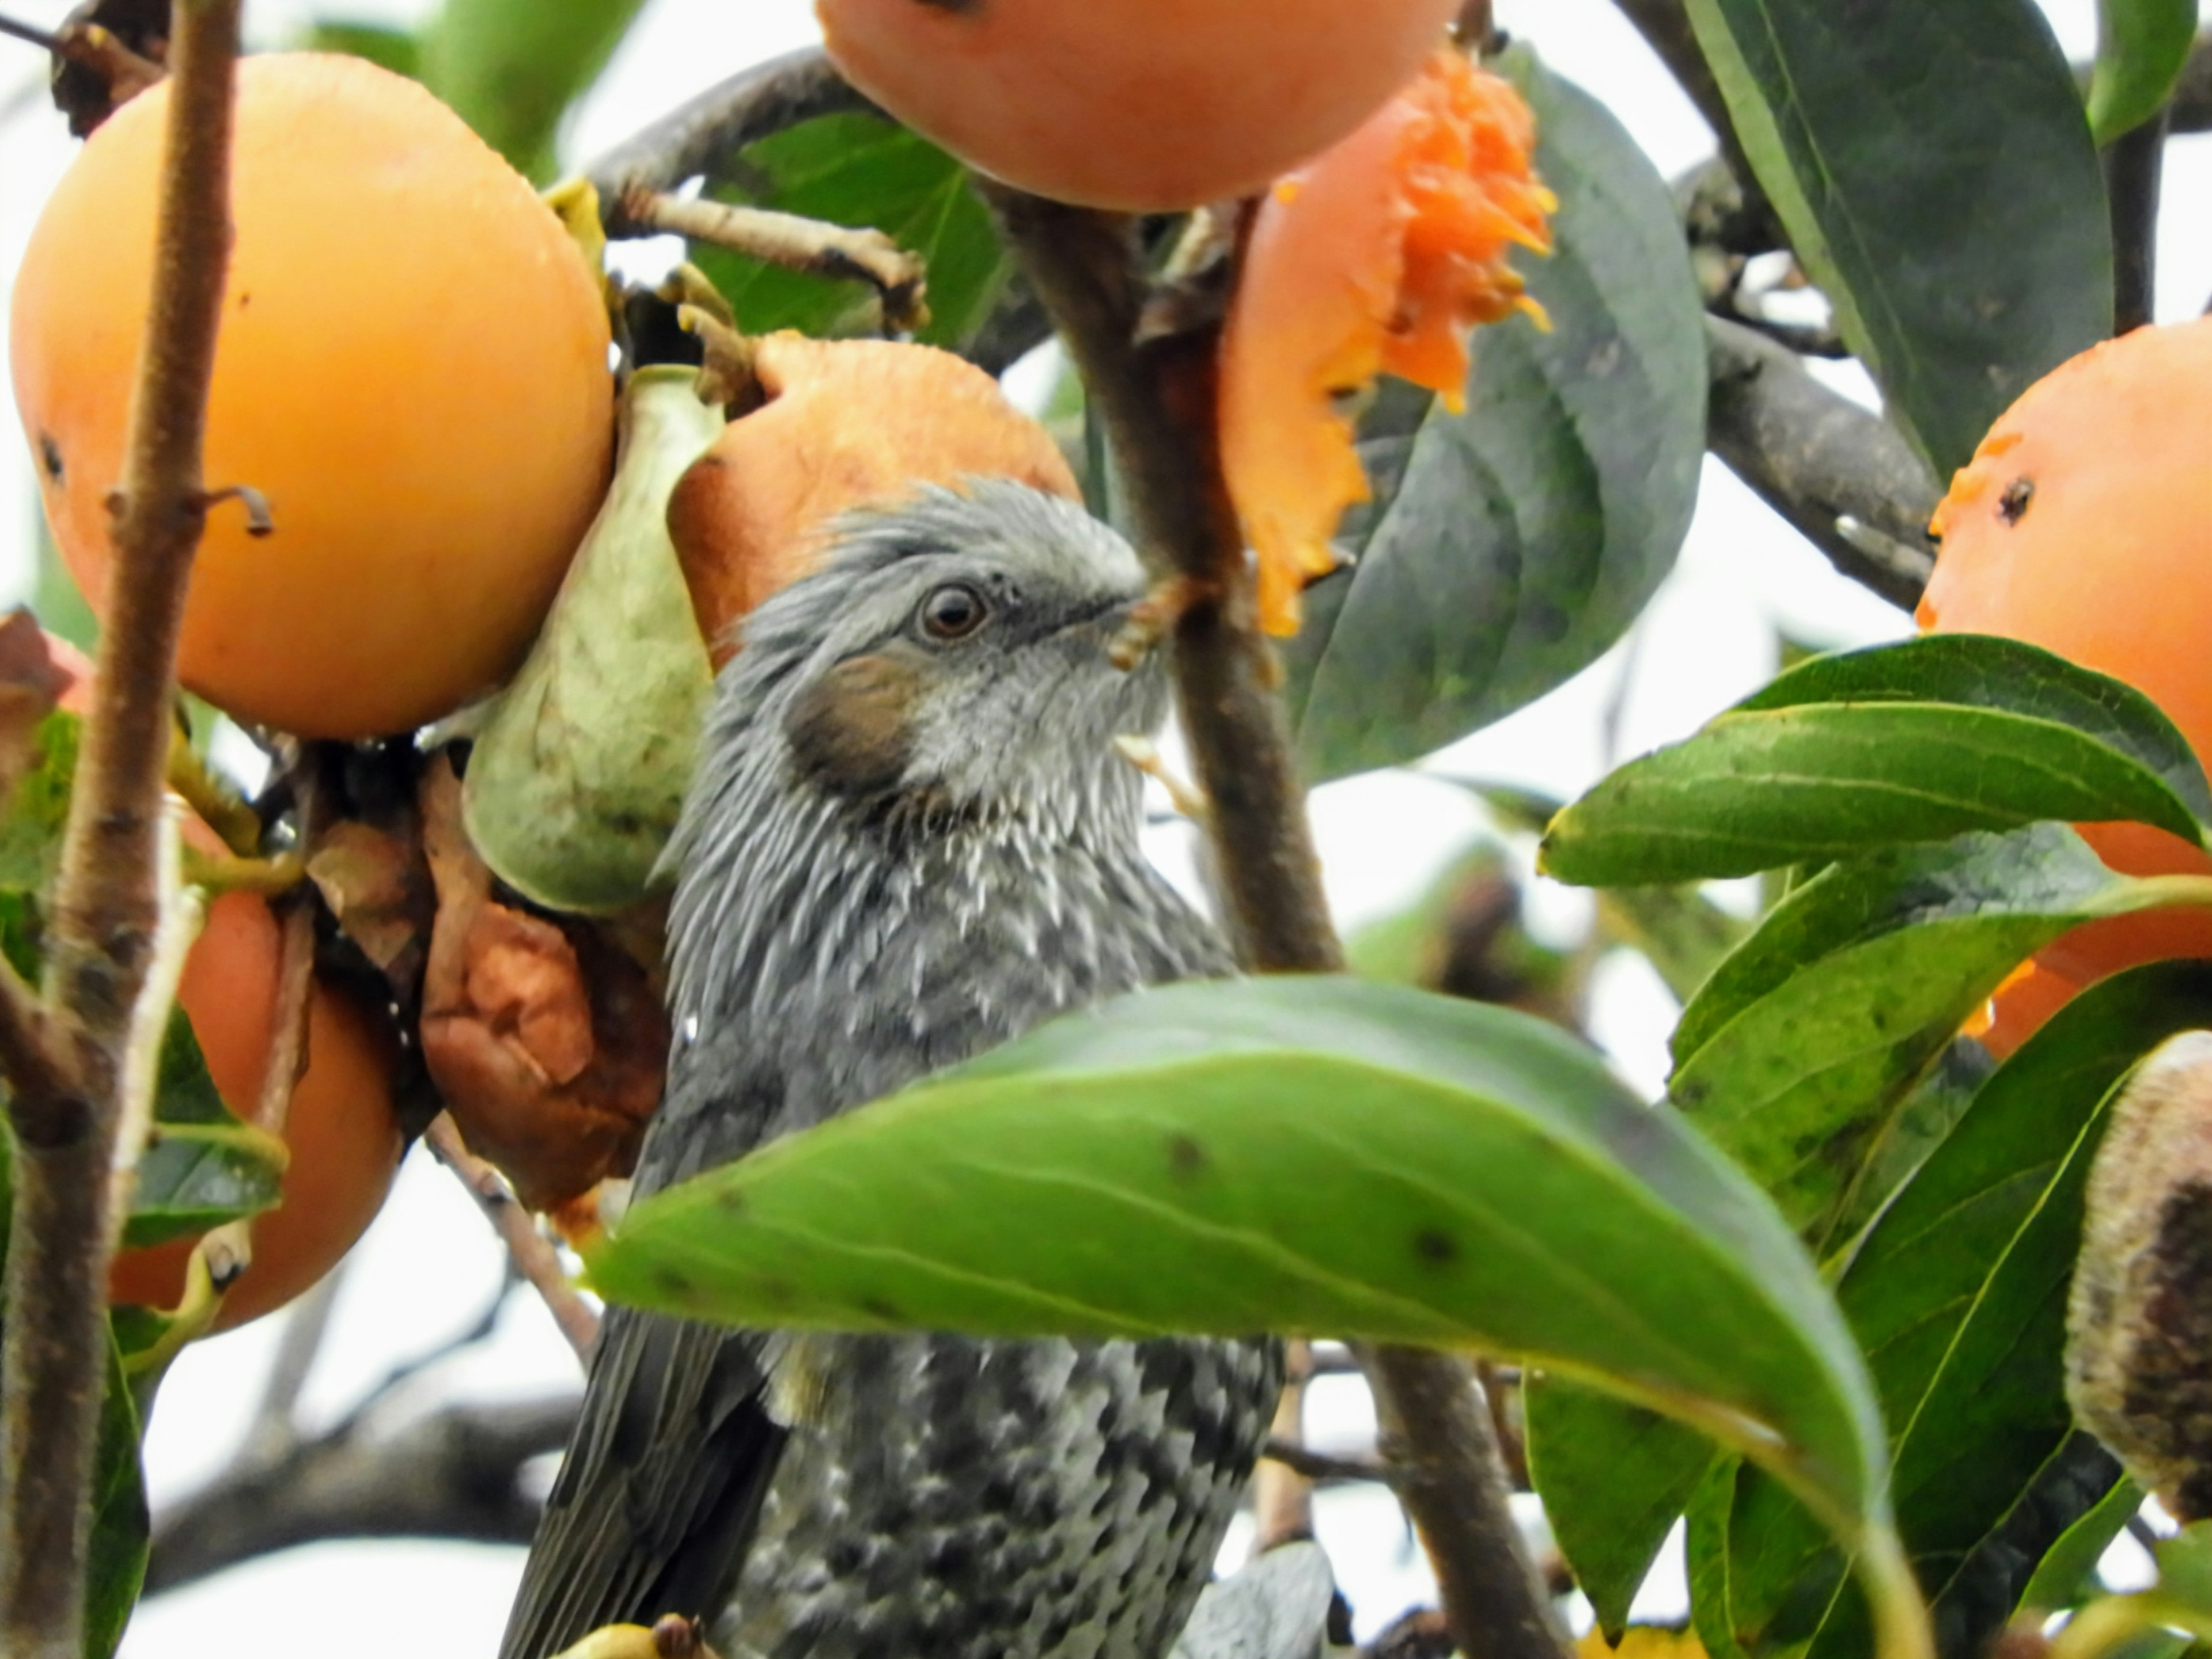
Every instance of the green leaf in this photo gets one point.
(512, 67)
(2068, 1574)
(1797, 1053)
(1957, 1294)
(1615, 1477)
(201, 1166)
(2142, 46)
(122, 1529)
(1300, 1154)
(860, 171)
(31, 823)
(1916, 742)
(1508, 547)
(1931, 165)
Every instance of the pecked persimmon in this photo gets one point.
(1144, 105)
(2081, 526)
(1377, 259)
(412, 372)
(846, 422)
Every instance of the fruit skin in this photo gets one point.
(1377, 257)
(412, 370)
(846, 423)
(1137, 105)
(343, 1135)
(2082, 526)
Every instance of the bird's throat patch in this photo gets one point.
(850, 731)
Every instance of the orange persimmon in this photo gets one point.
(412, 372)
(2081, 526)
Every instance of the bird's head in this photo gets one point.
(947, 656)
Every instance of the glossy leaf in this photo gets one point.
(1509, 546)
(2068, 1573)
(861, 171)
(2142, 46)
(122, 1528)
(1797, 1055)
(1931, 165)
(1615, 1477)
(1916, 742)
(201, 1166)
(1957, 1294)
(1298, 1154)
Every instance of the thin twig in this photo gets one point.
(705, 133)
(533, 1255)
(30, 32)
(2133, 165)
(1282, 1492)
(275, 1430)
(106, 909)
(1312, 1467)
(1156, 400)
(295, 984)
(788, 240)
(1665, 26)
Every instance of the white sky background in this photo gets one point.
(429, 1267)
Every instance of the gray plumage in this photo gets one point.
(907, 841)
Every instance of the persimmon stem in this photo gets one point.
(66, 1099)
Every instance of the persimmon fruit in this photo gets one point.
(1379, 258)
(412, 372)
(2082, 526)
(1142, 105)
(341, 1130)
(846, 423)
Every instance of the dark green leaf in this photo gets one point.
(2068, 1573)
(1509, 546)
(1931, 165)
(512, 67)
(860, 171)
(203, 1166)
(1904, 743)
(1614, 1478)
(1293, 1154)
(1957, 1296)
(1679, 930)
(2141, 47)
(121, 1528)
(1797, 1053)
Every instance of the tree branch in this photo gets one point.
(534, 1258)
(1665, 26)
(105, 909)
(1156, 398)
(452, 1473)
(1820, 460)
(696, 137)
(2133, 163)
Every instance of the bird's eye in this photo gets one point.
(953, 612)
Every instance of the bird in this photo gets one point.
(908, 840)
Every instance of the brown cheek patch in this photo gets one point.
(849, 731)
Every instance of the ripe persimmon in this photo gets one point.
(2081, 526)
(846, 423)
(1138, 105)
(1378, 258)
(412, 372)
(341, 1130)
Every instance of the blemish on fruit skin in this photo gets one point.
(2012, 504)
(50, 456)
(1185, 1156)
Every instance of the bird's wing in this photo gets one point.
(663, 1481)
(661, 1487)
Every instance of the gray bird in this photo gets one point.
(909, 840)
